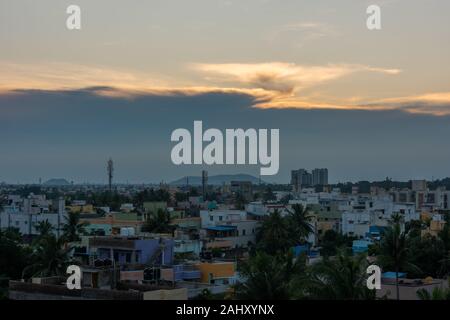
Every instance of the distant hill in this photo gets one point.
(57, 182)
(215, 180)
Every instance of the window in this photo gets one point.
(211, 218)
(243, 232)
(220, 218)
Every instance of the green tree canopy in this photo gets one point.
(342, 277)
(73, 228)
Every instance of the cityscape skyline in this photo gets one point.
(45, 180)
(232, 154)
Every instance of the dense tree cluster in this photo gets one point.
(272, 271)
(46, 255)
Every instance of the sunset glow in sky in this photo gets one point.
(275, 56)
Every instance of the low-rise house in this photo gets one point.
(181, 272)
(230, 225)
(218, 272)
(152, 207)
(407, 287)
(132, 250)
(437, 224)
(126, 207)
(54, 288)
(80, 208)
(111, 223)
(360, 246)
(193, 247)
(355, 224)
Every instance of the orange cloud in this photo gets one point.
(437, 103)
(283, 77)
(271, 85)
(56, 76)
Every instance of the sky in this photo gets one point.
(365, 104)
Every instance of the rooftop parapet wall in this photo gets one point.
(30, 291)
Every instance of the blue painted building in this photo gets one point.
(305, 249)
(124, 250)
(360, 246)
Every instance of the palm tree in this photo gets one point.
(342, 277)
(394, 251)
(269, 277)
(158, 223)
(49, 258)
(396, 218)
(13, 254)
(73, 228)
(45, 228)
(299, 222)
(273, 235)
(240, 201)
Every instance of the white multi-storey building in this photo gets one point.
(25, 213)
(228, 225)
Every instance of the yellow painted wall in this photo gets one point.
(89, 208)
(218, 270)
(425, 216)
(325, 225)
(437, 225)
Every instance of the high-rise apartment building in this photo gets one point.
(320, 177)
(302, 178)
